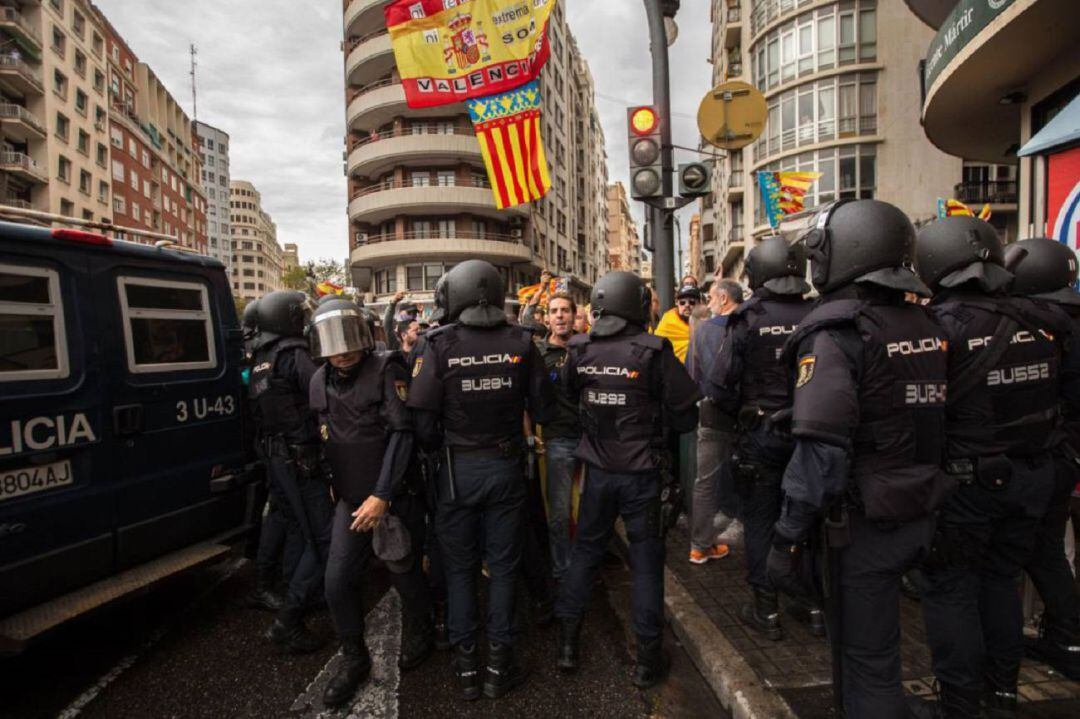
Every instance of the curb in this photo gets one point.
(735, 683)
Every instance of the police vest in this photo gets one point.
(1015, 409)
(769, 323)
(898, 355)
(278, 406)
(485, 382)
(621, 415)
(353, 432)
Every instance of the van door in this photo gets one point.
(56, 473)
(175, 408)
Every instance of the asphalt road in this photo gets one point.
(190, 648)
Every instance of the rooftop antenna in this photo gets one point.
(194, 96)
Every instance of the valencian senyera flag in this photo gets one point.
(954, 208)
(783, 193)
(508, 128)
(452, 50)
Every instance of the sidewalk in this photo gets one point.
(798, 667)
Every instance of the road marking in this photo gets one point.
(75, 708)
(377, 698)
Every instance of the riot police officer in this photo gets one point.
(288, 439)
(1002, 412)
(867, 418)
(1046, 270)
(476, 378)
(754, 384)
(631, 390)
(359, 399)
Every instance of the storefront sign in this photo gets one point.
(1063, 196)
(967, 20)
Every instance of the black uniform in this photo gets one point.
(280, 376)
(751, 375)
(868, 416)
(367, 438)
(1000, 429)
(470, 390)
(631, 389)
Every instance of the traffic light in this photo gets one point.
(646, 166)
(695, 179)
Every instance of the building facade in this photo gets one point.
(290, 258)
(257, 261)
(212, 145)
(419, 199)
(623, 242)
(837, 78)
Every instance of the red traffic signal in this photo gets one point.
(643, 120)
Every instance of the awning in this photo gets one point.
(1063, 129)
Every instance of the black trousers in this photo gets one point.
(974, 618)
(350, 553)
(1049, 567)
(762, 457)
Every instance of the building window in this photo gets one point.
(85, 182)
(59, 41)
(118, 205)
(63, 125)
(78, 24)
(419, 179)
(60, 84)
(414, 277)
(67, 208)
(80, 63)
(82, 102)
(118, 170)
(84, 142)
(445, 178)
(102, 155)
(99, 81)
(97, 44)
(63, 170)
(103, 191)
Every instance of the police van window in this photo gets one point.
(166, 325)
(32, 340)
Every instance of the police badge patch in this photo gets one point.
(417, 366)
(325, 432)
(402, 389)
(806, 370)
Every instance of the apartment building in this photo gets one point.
(24, 132)
(257, 261)
(290, 258)
(838, 78)
(212, 145)
(623, 242)
(419, 199)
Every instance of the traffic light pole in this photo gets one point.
(660, 219)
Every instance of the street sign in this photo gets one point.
(694, 179)
(732, 115)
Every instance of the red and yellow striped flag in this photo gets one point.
(508, 128)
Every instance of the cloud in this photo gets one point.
(270, 73)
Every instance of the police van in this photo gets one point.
(121, 459)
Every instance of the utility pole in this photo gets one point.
(660, 219)
(194, 96)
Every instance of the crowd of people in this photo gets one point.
(919, 413)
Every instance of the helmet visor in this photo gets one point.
(338, 332)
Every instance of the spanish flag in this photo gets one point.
(508, 128)
(327, 287)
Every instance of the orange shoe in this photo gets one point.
(717, 551)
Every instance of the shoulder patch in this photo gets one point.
(402, 389)
(324, 432)
(806, 370)
(418, 366)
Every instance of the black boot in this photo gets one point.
(651, 662)
(569, 639)
(810, 615)
(442, 635)
(503, 671)
(952, 703)
(289, 632)
(466, 666)
(1058, 646)
(999, 703)
(354, 670)
(264, 597)
(543, 611)
(763, 614)
(417, 641)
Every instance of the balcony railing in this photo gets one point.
(735, 179)
(16, 202)
(409, 131)
(20, 161)
(10, 111)
(354, 41)
(439, 235)
(30, 73)
(376, 85)
(15, 17)
(996, 192)
(399, 184)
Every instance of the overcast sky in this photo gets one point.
(270, 73)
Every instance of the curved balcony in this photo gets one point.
(368, 56)
(392, 249)
(376, 155)
(389, 199)
(362, 16)
(380, 102)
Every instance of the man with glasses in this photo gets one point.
(675, 324)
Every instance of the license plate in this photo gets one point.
(28, 480)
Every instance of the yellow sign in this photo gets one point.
(732, 115)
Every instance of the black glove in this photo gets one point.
(788, 565)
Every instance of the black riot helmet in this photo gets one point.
(250, 320)
(338, 327)
(1043, 268)
(438, 315)
(955, 250)
(862, 241)
(283, 313)
(778, 266)
(619, 299)
(474, 294)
